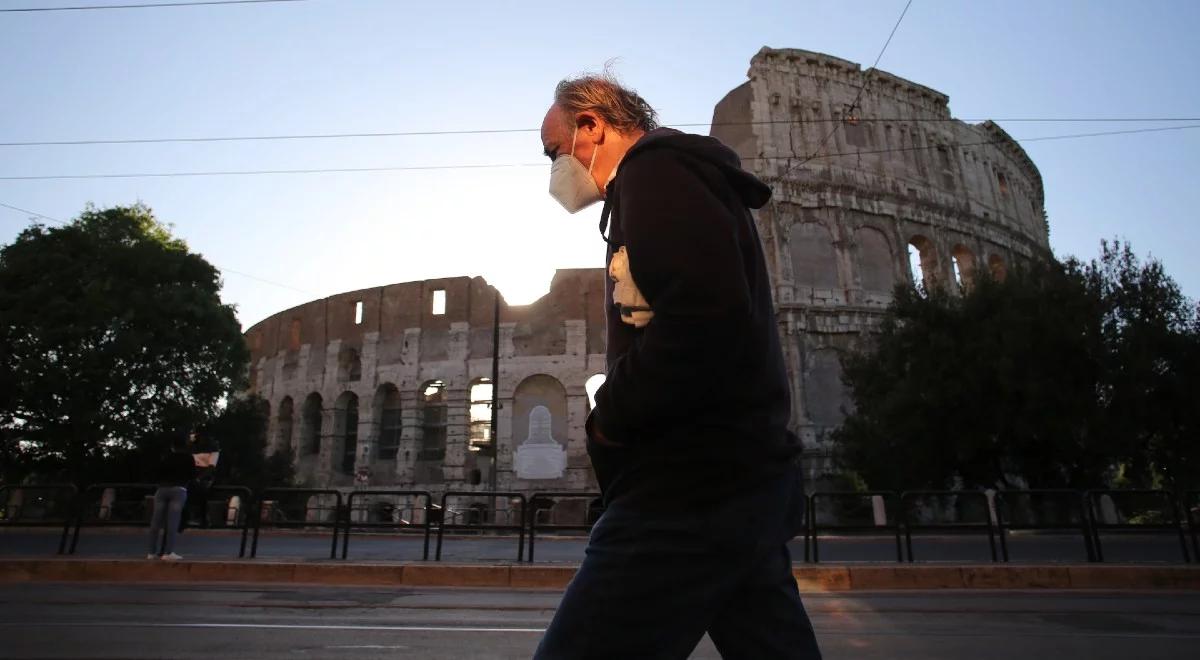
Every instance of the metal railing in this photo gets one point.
(1042, 510)
(1191, 509)
(282, 513)
(968, 507)
(117, 512)
(1087, 514)
(860, 507)
(1151, 511)
(45, 509)
(397, 522)
(476, 515)
(590, 514)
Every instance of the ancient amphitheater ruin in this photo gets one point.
(391, 386)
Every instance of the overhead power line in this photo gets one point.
(410, 168)
(487, 131)
(148, 5)
(858, 96)
(57, 221)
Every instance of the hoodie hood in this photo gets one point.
(753, 192)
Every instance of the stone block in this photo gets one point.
(822, 578)
(541, 577)
(905, 577)
(455, 575)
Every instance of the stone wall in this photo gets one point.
(855, 188)
(320, 370)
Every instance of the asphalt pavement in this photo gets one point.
(243, 622)
(108, 542)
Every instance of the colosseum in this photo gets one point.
(392, 386)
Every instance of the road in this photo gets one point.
(243, 622)
(276, 544)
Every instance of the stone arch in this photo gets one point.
(479, 397)
(432, 399)
(876, 264)
(310, 425)
(922, 261)
(345, 431)
(283, 424)
(824, 390)
(814, 258)
(591, 386)
(349, 365)
(963, 261)
(997, 267)
(539, 419)
(387, 421)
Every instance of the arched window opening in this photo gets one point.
(814, 260)
(875, 265)
(825, 391)
(997, 267)
(310, 430)
(388, 404)
(964, 266)
(433, 422)
(480, 434)
(591, 386)
(922, 262)
(346, 428)
(283, 425)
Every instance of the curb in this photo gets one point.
(831, 578)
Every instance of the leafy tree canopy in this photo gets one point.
(113, 333)
(1060, 375)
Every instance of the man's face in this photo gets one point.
(558, 130)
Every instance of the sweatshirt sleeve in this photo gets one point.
(684, 254)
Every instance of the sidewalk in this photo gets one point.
(825, 578)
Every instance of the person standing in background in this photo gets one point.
(174, 473)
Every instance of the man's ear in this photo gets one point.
(590, 126)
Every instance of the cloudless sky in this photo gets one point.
(337, 66)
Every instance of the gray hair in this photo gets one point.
(602, 94)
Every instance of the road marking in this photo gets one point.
(259, 626)
(470, 629)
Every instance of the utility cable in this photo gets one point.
(149, 5)
(488, 131)
(223, 270)
(411, 168)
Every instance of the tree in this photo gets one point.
(1055, 377)
(1152, 363)
(241, 430)
(113, 333)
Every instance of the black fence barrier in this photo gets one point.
(1133, 511)
(377, 512)
(1191, 509)
(548, 518)
(44, 505)
(298, 508)
(234, 514)
(853, 513)
(947, 512)
(113, 505)
(1042, 510)
(476, 516)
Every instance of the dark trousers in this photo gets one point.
(653, 582)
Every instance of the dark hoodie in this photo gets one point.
(696, 404)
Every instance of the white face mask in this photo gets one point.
(571, 183)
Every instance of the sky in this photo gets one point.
(369, 66)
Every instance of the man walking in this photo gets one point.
(689, 437)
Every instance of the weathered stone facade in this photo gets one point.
(897, 173)
(352, 379)
(348, 380)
